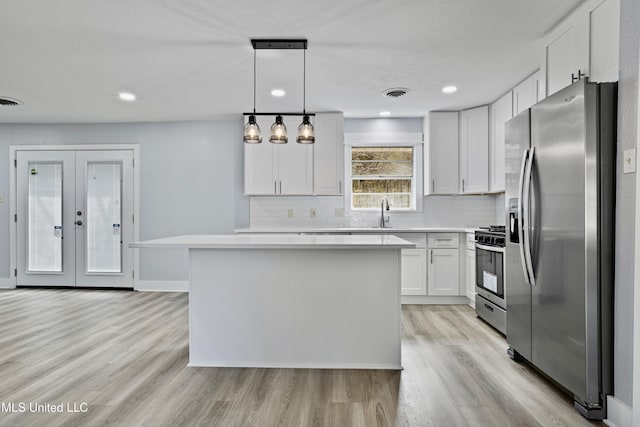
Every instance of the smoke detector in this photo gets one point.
(9, 102)
(396, 92)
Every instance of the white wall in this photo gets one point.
(625, 201)
(191, 180)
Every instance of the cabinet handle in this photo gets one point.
(580, 76)
(488, 307)
(280, 187)
(433, 186)
(340, 187)
(463, 185)
(275, 187)
(430, 257)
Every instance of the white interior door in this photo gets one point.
(104, 218)
(45, 209)
(75, 218)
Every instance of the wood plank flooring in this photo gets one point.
(125, 355)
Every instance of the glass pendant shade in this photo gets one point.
(252, 131)
(278, 132)
(306, 134)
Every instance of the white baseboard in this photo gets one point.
(7, 283)
(619, 414)
(161, 286)
(424, 299)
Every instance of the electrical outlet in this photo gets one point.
(339, 213)
(290, 213)
(313, 213)
(629, 161)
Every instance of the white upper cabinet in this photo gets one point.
(328, 154)
(474, 150)
(586, 43)
(441, 153)
(501, 111)
(278, 169)
(604, 34)
(525, 94)
(564, 61)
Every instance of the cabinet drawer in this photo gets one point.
(420, 239)
(444, 240)
(471, 241)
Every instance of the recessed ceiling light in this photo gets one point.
(127, 96)
(385, 113)
(449, 89)
(278, 93)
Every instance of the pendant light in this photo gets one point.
(306, 134)
(252, 133)
(278, 132)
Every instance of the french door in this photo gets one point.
(75, 218)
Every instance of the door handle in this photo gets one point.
(523, 167)
(78, 222)
(526, 220)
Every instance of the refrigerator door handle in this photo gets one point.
(525, 157)
(526, 220)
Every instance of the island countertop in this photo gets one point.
(277, 241)
(354, 230)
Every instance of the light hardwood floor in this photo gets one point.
(125, 354)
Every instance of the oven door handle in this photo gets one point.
(523, 167)
(490, 248)
(527, 220)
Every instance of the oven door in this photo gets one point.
(490, 273)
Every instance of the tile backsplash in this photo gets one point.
(328, 211)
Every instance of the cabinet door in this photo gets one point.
(328, 154)
(566, 52)
(413, 272)
(443, 274)
(471, 275)
(474, 150)
(524, 95)
(260, 164)
(501, 112)
(295, 168)
(604, 35)
(441, 153)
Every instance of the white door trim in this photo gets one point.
(636, 293)
(13, 234)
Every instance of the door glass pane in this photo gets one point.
(45, 217)
(103, 220)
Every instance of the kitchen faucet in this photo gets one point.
(384, 204)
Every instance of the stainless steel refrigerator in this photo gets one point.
(560, 184)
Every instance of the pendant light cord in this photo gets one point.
(254, 81)
(304, 81)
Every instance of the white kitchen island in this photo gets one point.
(292, 301)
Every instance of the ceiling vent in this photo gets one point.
(9, 102)
(396, 92)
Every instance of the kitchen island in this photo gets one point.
(292, 301)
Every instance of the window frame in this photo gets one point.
(412, 140)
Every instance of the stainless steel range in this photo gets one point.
(490, 302)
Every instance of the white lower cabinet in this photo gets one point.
(470, 272)
(413, 272)
(471, 275)
(443, 274)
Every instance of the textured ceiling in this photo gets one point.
(190, 60)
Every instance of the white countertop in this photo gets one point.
(278, 241)
(375, 230)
